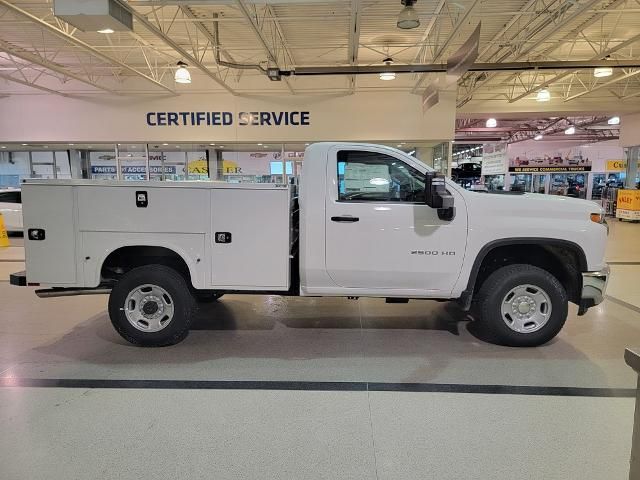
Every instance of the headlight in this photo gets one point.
(600, 218)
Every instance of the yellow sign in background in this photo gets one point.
(4, 237)
(629, 199)
(616, 165)
(199, 167)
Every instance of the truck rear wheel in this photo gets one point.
(152, 306)
(521, 306)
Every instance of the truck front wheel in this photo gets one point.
(152, 306)
(521, 306)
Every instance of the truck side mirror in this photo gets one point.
(436, 196)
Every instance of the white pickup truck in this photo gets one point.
(369, 221)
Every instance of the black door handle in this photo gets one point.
(345, 219)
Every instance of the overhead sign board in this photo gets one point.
(459, 62)
(212, 119)
(494, 159)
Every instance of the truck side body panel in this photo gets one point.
(85, 221)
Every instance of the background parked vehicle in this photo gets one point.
(11, 209)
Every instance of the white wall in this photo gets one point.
(359, 117)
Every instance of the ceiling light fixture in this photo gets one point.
(492, 123)
(538, 137)
(3, 146)
(543, 95)
(106, 30)
(614, 121)
(212, 144)
(570, 131)
(600, 72)
(408, 18)
(388, 75)
(165, 144)
(182, 75)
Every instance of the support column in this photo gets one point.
(75, 163)
(633, 155)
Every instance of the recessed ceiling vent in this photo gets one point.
(94, 15)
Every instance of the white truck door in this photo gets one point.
(379, 232)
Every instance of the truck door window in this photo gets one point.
(375, 177)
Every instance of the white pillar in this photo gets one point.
(633, 155)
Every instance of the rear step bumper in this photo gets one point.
(19, 279)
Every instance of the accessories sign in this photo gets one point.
(111, 169)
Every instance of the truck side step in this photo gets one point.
(396, 300)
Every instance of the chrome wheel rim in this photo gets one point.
(149, 308)
(526, 308)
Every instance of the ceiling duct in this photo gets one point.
(94, 15)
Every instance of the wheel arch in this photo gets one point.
(120, 260)
(562, 258)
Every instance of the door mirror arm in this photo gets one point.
(436, 196)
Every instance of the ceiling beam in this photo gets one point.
(186, 55)
(354, 38)
(427, 31)
(447, 42)
(611, 50)
(559, 26)
(79, 43)
(603, 85)
(43, 62)
(32, 85)
(475, 67)
(270, 55)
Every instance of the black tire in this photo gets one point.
(495, 288)
(182, 301)
(206, 296)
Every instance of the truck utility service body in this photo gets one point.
(368, 220)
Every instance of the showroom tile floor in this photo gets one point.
(162, 430)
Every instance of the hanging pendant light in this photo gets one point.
(408, 18)
(182, 75)
(388, 75)
(600, 72)
(543, 95)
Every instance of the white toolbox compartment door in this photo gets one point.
(255, 256)
(52, 260)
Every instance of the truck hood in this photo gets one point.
(532, 204)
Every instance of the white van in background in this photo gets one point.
(11, 208)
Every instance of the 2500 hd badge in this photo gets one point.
(433, 253)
